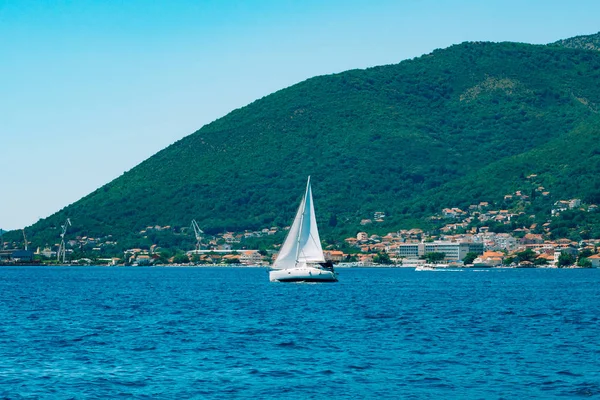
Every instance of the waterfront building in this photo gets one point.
(335, 256)
(454, 251)
(16, 256)
(251, 257)
(489, 259)
(595, 260)
(408, 250)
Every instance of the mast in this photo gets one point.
(302, 219)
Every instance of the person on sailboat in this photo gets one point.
(327, 265)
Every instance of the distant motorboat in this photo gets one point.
(433, 267)
(350, 264)
(301, 256)
(425, 267)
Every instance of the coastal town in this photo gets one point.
(478, 236)
(300, 200)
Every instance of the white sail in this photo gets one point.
(302, 244)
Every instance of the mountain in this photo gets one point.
(459, 125)
(565, 164)
(584, 42)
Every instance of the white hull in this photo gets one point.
(302, 274)
(424, 268)
(432, 267)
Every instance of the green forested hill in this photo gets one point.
(567, 164)
(459, 125)
(585, 42)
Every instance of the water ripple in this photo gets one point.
(229, 333)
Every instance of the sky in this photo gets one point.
(89, 89)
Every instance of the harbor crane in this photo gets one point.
(198, 232)
(25, 239)
(61, 248)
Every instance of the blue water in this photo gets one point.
(225, 333)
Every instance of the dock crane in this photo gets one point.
(198, 232)
(61, 248)
(25, 239)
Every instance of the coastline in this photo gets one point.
(387, 266)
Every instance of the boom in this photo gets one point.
(61, 248)
(198, 233)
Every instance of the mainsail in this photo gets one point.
(302, 244)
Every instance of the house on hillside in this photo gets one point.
(231, 258)
(550, 258)
(559, 206)
(595, 260)
(387, 238)
(415, 233)
(251, 257)
(574, 203)
(351, 241)
(142, 259)
(532, 238)
(366, 259)
(489, 259)
(335, 256)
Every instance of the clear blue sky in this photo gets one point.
(89, 89)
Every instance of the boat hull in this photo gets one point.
(424, 268)
(302, 274)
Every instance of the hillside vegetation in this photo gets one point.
(585, 42)
(460, 125)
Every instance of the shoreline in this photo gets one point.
(268, 266)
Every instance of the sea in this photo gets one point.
(229, 333)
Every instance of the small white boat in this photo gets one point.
(301, 256)
(425, 267)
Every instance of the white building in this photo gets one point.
(574, 203)
(595, 260)
(408, 250)
(504, 241)
(362, 236)
(454, 251)
(251, 257)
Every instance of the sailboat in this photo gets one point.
(301, 256)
